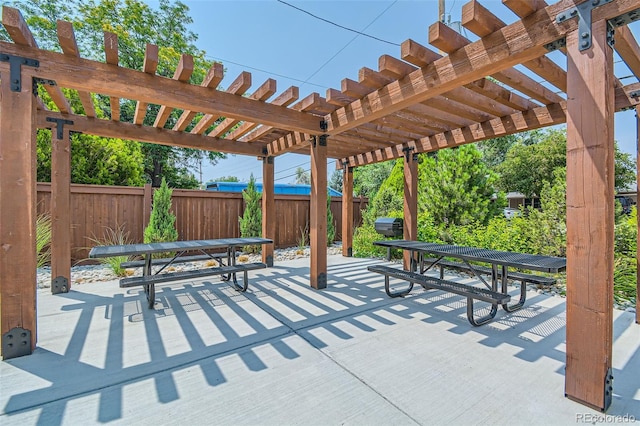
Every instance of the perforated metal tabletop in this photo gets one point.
(517, 260)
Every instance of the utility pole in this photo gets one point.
(441, 10)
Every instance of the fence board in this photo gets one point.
(199, 214)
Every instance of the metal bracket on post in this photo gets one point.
(60, 122)
(322, 140)
(15, 68)
(324, 125)
(16, 342)
(346, 167)
(608, 389)
(59, 285)
(267, 160)
(37, 81)
(322, 280)
(408, 155)
(583, 13)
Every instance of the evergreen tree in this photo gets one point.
(251, 220)
(162, 224)
(331, 226)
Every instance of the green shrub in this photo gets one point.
(626, 234)
(624, 279)
(251, 220)
(331, 226)
(162, 223)
(43, 240)
(363, 240)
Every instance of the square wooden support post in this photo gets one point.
(17, 215)
(60, 207)
(268, 209)
(347, 211)
(318, 213)
(590, 219)
(410, 226)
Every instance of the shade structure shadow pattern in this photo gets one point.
(99, 343)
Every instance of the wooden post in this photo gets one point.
(638, 216)
(60, 208)
(410, 226)
(268, 209)
(17, 216)
(318, 213)
(590, 219)
(147, 199)
(347, 211)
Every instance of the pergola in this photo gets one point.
(422, 101)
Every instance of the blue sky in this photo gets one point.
(273, 40)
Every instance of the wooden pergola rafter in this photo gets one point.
(420, 101)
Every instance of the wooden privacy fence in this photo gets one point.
(199, 214)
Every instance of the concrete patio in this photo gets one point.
(284, 353)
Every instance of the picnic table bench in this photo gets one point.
(148, 279)
(495, 293)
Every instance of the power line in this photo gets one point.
(264, 71)
(338, 25)
(351, 41)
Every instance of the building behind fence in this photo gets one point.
(199, 214)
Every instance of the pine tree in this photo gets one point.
(251, 220)
(331, 226)
(162, 224)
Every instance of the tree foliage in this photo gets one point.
(136, 24)
(162, 223)
(226, 179)
(528, 167)
(251, 220)
(331, 225)
(457, 188)
(335, 182)
(302, 176)
(368, 179)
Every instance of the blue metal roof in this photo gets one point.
(278, 188)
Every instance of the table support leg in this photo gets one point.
(401, 293)
(482, 320)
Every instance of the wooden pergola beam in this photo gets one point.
(84, 74)
(160, 136)
(149, 66)
(67, 40)
(479, 20)
(111, 57)
(519, 42)
(627, 47)
(19, 32)
(182, 73)
(514, 123)
(262, 93)
(285, 98)
(213, 78)
(239, 86)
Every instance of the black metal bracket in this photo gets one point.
(16, 342)
(15, 68)
(60, 122)
(408, 155)
(324, 125)
(38, 80)
(269, 261)
(59, 285)
(608, 389)
(583, 13)
(265, 151)
(322, 140)
(625, 19)
(267, 160)
(322, 280)
(555, 45)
